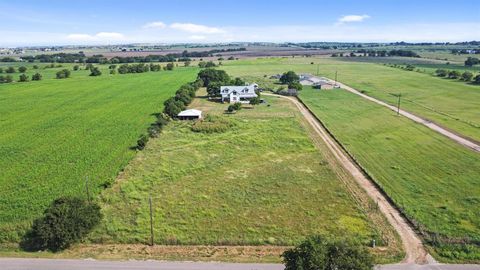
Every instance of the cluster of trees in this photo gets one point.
(7, 59)
(65, 222)
(472, 61)
(455, 74)
(140, 68)
(80, 57)
(319, 253)
(209, 64)
(22, 78)
(10, 70)
(213, 79)
(380, 53)
(63, 74)
(183, 97)
(292, 79)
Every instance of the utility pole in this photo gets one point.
(318, 69)
(86, 187)
(151, 221)
(398, 104)
(335, 78)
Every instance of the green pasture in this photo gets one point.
(56, 133)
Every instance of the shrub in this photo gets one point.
(113, 71)
(295, 85)
(1, 70)
(35, 67)
(410, 67)
(65, 222)
(10, 70)
(76, 67)
(476, 80)
(23, 78)
(95, 71)
(6, 79)
(453, 74)
(63, 74)
(237, 106)
(22, 69)
(212, 124)
(169, 66)
(142, 142)
(255, 101)
(319, 253)
(441, 72)
(37, 77)
(467, 76)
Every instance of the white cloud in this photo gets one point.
(196, 28)
(157, 25)
(197, 37)
(353, 18)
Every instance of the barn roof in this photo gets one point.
(190, 112)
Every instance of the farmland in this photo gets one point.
(263, 181)
(56, 133)
(450, 103)
(431, 178)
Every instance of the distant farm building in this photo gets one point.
(242, 94)
(307, 79)
(190, 114)
(325, 85)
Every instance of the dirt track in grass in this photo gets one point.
(413, 247)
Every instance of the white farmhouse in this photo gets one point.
(242, 94)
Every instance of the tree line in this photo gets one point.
(80, 57)
(379, 53)
(466, 76)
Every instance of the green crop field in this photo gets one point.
(434, 180)
(451, 103)
(261, 182)
(55, 133)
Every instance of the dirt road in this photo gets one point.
(414, 249)
(465, 142)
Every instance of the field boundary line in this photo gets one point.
(413, 246)
(454, 136)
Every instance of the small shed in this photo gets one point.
(190, 114)
(323, 85)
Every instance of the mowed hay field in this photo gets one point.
(55, 133)
(432, 179)
(260, 182)
(450, 103)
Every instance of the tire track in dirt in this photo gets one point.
(413, 246)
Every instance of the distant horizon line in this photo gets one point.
(239, 43)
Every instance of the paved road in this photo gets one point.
(465, 142)
(62, 264)
(413, 246)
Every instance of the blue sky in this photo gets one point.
(53, 22)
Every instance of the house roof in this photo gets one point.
(190, 112)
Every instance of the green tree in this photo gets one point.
(213, 75)
(95, 71)
(238, 81)
(65, 222)
(76, 67)
(10, 70)
(476, 80)
(441, 72)
(23, 78)
(172, 107)
(37, 77)
(187, 63)
(289, 77)
(472, 61)
(22, 69)
(63, 74)
(454, 74)
(6, 79)
(1, 70)
(295, 85)
(35, 67)
(467, 76)
(169, 66)
(319, 253)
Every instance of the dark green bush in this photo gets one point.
(319, 253)
(142, 142)
(65, 222)
(37, 77)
